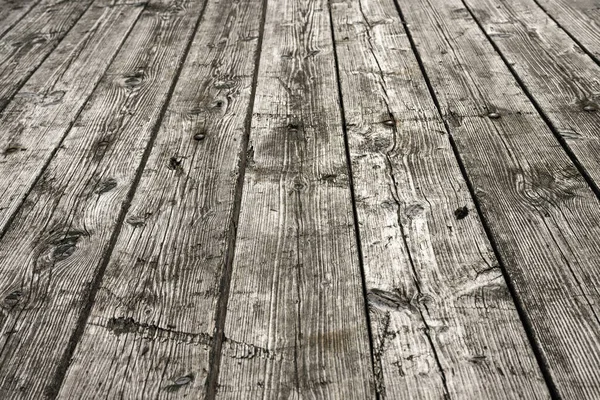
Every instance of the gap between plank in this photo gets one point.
(65, 360)
(215, 355)
(353, 196)
(12, 217)
(580, 168)
(20, 19)
(573, 38)
(18, 88)
(542, 362)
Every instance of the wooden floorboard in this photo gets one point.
(296, 325)
(154, 315)
(440, 309)
(542, 214)
(580, 19)
(34, 123)
(340, 199)
(26, 44)
(53, 251)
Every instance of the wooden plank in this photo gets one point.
(12, 11)
(443, 320)
(151, 326)
(295, 325)
(542, 214)
(34, 123)
(25, 46)
(51, 256)
(560, 77)
(580, 18)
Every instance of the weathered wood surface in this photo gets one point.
(12, 11)
(580, 18)
(443, 320)
(25, 46)
(54, 250)
(542, 214)
(560, 77)
(295, 325)
(33, 124)
(152, 325)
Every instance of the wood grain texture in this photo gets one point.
(50, 256)
(152, 324)
(560, 77)
(581, 18)
(443, 320)
(34, 123)
(295, 325)
(25, 46)
(542, 214)
(12, 11)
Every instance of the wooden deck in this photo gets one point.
(300, 199)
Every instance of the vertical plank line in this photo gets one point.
(65, 360)
(542, 361)
(212, 379)
(353, 198)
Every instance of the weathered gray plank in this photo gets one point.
(580, 18)
(153, 319)
(33, 124)
(52, 253)
(560, 77)
(25, 46)
(443, 320)
(295, 325)
(542, 214)
(11, 12)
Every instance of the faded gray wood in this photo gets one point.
(443, 320)
(152, 324)
(33, 124)
(561, 78)
(542, 214)
(295, 325)
(25, 46)
(581, 18)
(50, 256)
(12, 11)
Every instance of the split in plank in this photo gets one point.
(296, 302)
(543, 216)
(443, 320)
(12, 11)
(153, 320)
(53, 252)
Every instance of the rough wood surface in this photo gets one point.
(542, 214)
(52, 253)
(153, 320)
(33, 124)
(25, 46)
(560, 77)
(296, 325)
(12, 11)
(443, 320)
(580, 18)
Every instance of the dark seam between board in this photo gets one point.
(215, 355)
(527, 325)
(65, 361)
(353, 199)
